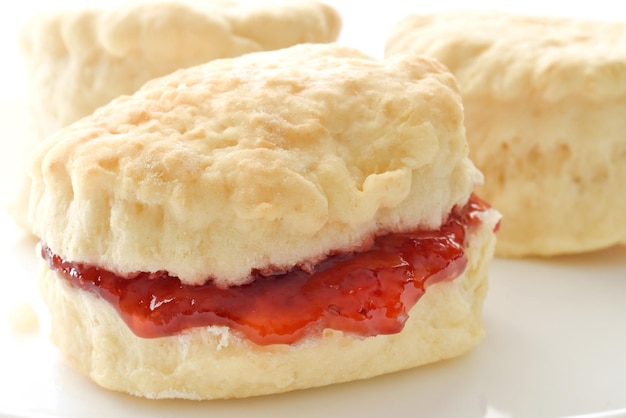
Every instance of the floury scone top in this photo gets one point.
(267, 161)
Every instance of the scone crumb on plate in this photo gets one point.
(23, 319)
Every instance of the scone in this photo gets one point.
(276, 221)
(76, 61)
(545, 100)
(79, 60)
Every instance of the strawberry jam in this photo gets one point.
(360, 293)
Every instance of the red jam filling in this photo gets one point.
(361, 293)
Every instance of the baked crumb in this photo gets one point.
(23, 318)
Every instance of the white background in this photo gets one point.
(556, 329)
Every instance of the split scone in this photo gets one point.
(79, 60)
(272, 222)
(545, 100)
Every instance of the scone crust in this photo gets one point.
(211, 363)
(510, 56)
(265, 161)
(78, 60)
(544, 101)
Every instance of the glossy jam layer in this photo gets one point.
(365, 293)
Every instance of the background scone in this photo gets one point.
(545, 100)
(314, 191)
(79, 60)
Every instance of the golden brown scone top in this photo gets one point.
(81, 59)
(510, 56)
(264, 161)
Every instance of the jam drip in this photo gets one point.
(362, 293)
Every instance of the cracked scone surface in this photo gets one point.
(79, 60)
(263, 162)
(544, 102)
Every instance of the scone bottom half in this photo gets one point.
(325, 212)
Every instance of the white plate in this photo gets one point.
(555, 344)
